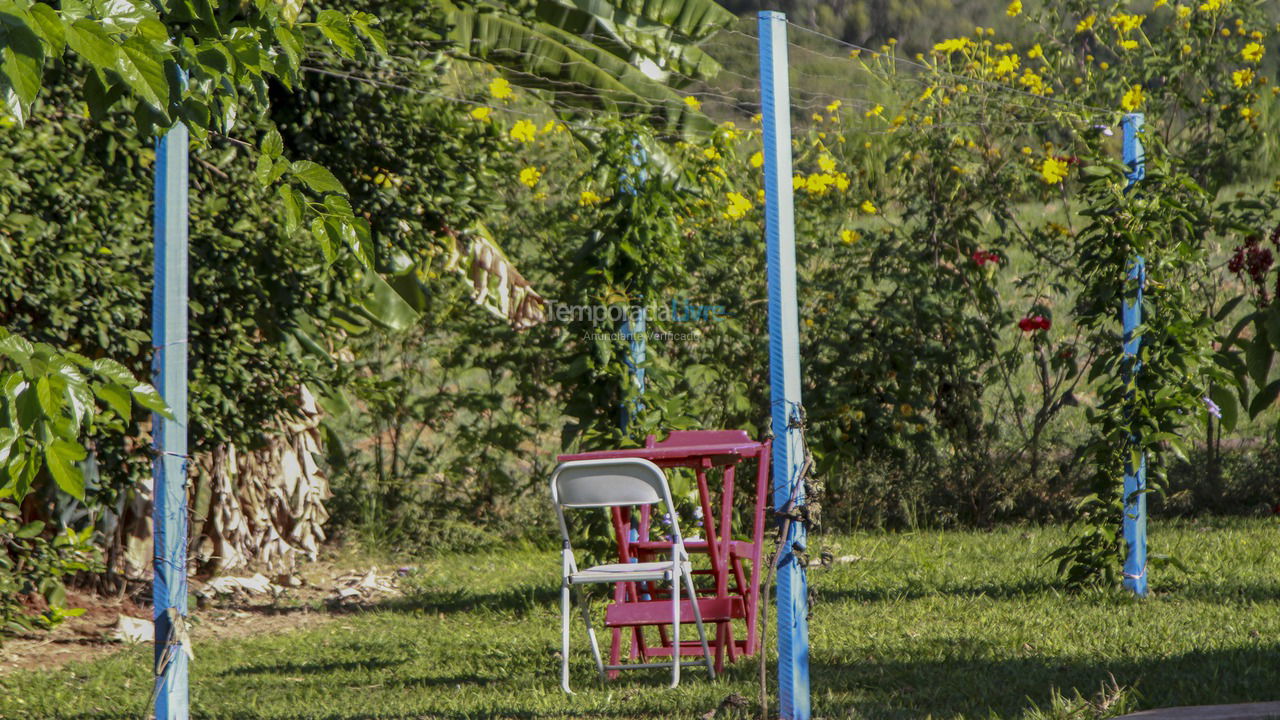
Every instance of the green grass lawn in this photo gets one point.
(941, 624)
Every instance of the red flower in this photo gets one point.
(984, 257)
(1031, 323)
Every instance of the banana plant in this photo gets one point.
(628, 57)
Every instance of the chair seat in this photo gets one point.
(624, 572)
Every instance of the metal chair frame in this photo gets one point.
(609, 483)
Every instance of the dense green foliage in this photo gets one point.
(962, 246)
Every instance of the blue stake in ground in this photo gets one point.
(169, 513)
(1135, 478)
(784, 366)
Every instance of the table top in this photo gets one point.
(719, 452)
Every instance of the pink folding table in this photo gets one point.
(734, 560)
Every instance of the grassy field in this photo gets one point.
(940, 624)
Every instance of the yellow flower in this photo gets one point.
(757, 159)
(1014, 9)
(817, 118)
(1242, 78)
(1035, 52)
(1210, 5)
(827, 163)
(819, 183)
(693, 102)
(1129, 44)
(1160, 3)
(530, 176)
(842, 182)
(849, 237)
(1186, 49)
(481, 113)
(587, 198)
(868, 207)
(1053, 171)
(1125, 23)
(834, 106)
(953, 45)
(1007, 64)
(757, 118)
(1252, 52)
(1182, 12)
(711, 153)
(1132, 99)
(1246, 112)
(549, 127)
(523, 131)
(500, 88)
(738, 208)
(798, 182)
(1086, 23)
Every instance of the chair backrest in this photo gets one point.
(610, 483)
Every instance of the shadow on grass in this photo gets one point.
(958, 683)
(994, 590)
(311, 668)
(520, 600)
(955, 681)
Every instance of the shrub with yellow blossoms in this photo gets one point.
(738, 207)
(523, 131)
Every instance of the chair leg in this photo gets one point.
(564, 636)
(591, 634)
(675, 626)
(702, 631)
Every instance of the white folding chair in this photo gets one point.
(621, 483)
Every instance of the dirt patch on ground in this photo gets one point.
(315, 594)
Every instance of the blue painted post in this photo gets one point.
(1135, 479)
(169, 513)
(784, 365)
(634, 328)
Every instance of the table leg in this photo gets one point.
(757, 537)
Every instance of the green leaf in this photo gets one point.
(1227, 309)
(141, 64)
(90, 41)
(1265, 398)
(329, 236)
(149, 398)
(292, 208)
(317, 177)
(61, 456)
(385, 306)
(272, 144)
(113, 371)
(47, 397)
(337, 29)
(30, 530)
(364, 24)
(1257, 357)
(290, 9)
(21, 54)
(117, 398)
(48, 25)
(1272, 324)
(1227, 404)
